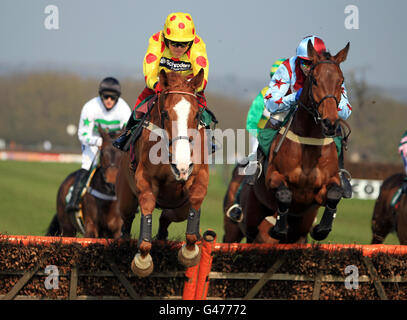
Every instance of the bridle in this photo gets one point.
(164, 113)
(103, 169)
(313, 110)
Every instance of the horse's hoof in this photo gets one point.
(142, 267)
(319, 234)
(189, 258)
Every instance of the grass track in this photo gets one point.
(28, 201)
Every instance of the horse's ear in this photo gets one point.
(102, 132)
(163, 79)
(341, 55)
(197, 80)
(312, 53)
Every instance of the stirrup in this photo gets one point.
(252, 178)
(236, 205)
(346, 173)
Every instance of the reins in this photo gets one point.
(313, 110)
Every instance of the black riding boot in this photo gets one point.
(79, 183)
(120, 142)
(345, 177)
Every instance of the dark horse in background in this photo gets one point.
(387, 218)
(304, 174)
(100, 214)
(179, 183)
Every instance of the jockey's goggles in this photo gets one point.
(305, 63)
(179, 44)
(111, 96)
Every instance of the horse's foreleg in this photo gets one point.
(333, 196)
(142, 264)
(189, 254)
(127, 204)
(284, 198)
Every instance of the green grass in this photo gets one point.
(28, 202)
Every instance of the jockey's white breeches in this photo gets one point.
(89, 153)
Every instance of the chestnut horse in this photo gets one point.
(387, 218)
(99, 210)
(178, 182)
(304, 174)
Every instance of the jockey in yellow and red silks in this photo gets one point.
(176, 48)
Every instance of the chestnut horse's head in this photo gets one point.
(325, 80)
(180, 117)
(109, 156)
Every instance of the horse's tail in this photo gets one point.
(54, 228)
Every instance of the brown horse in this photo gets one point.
(178, 182)
(387, 218)
(304, 174)
(233, 233)
(101, 217)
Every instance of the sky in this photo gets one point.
(243, 38)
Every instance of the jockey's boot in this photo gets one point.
(345, 183)
(235, 213)
(344, 175)
(79, 183)
(256, 166)
(120, 142)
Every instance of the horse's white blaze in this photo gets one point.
(182, 148)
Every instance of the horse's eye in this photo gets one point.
(314, 82)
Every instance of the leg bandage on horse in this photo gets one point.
(194, 217)
(146, 224)
(284, 198)
(321, 231)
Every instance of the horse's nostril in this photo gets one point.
(174, 167)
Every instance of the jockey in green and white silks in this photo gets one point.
(110, 112)
(94, 113)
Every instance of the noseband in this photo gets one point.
(313, 110)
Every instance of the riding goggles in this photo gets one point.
(305, 63)
(111, 96)
(179, 44)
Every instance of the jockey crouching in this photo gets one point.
(285, 90)
(176, 48)
(110, 112)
